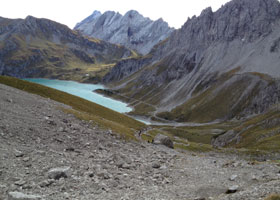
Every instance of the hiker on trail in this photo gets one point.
(139, 133)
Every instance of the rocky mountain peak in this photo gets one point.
(131, 30)
(93, 16)
(239, 19)
(96, 13)
(131, 14)
(30, 18)
(206, 12)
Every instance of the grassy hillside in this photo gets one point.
(82, 108)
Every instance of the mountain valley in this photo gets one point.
(210, 91)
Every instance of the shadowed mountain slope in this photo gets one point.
(34, 47)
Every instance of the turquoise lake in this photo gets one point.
(84, 91)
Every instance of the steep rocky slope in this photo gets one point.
(34, 47)
(131, 30)
(219, 66)
(48, 154)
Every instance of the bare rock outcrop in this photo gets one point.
(131, 30)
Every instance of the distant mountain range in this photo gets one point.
(35, 47)
(131, 30)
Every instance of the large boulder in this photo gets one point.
(163, 140)
(225, 139)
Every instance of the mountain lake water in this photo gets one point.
(85, 91)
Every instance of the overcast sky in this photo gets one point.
(69, 12)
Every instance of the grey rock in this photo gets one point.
(46, 183)
(163, 140)
(57, 173)
(104, 174)
(22, 196)
(91, 174)
(20, 183)
(224, 139)
(232, 189)
(26, 159)
(10, 100)
(233, 177)
(131, 30)
(61, 129)
(19, 153)
(156, 165)
(124, 166)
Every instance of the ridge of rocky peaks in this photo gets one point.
(241, 38)
(242, 19)
(132, 29)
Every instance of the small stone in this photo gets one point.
(46, 183)
(27, 187)
(101, 147)
(51, 122)
(65, 121)
(254, 178)
(10, 100)
(21, 196)
(125, 166)
(163, 167)
(233, 177)
(155, 165)
(19, 154)
(41, 153)
(26, 159)
(70, 149)
(232, 189)
(104, 175)
(119, 164)
(61, 129)
(91, 174)
(20, 183)
(66, 195)
(57, 173)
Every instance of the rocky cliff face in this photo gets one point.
(131, 30)
(220, 65)
(40, 47)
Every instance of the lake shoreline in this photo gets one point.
(85, 91)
